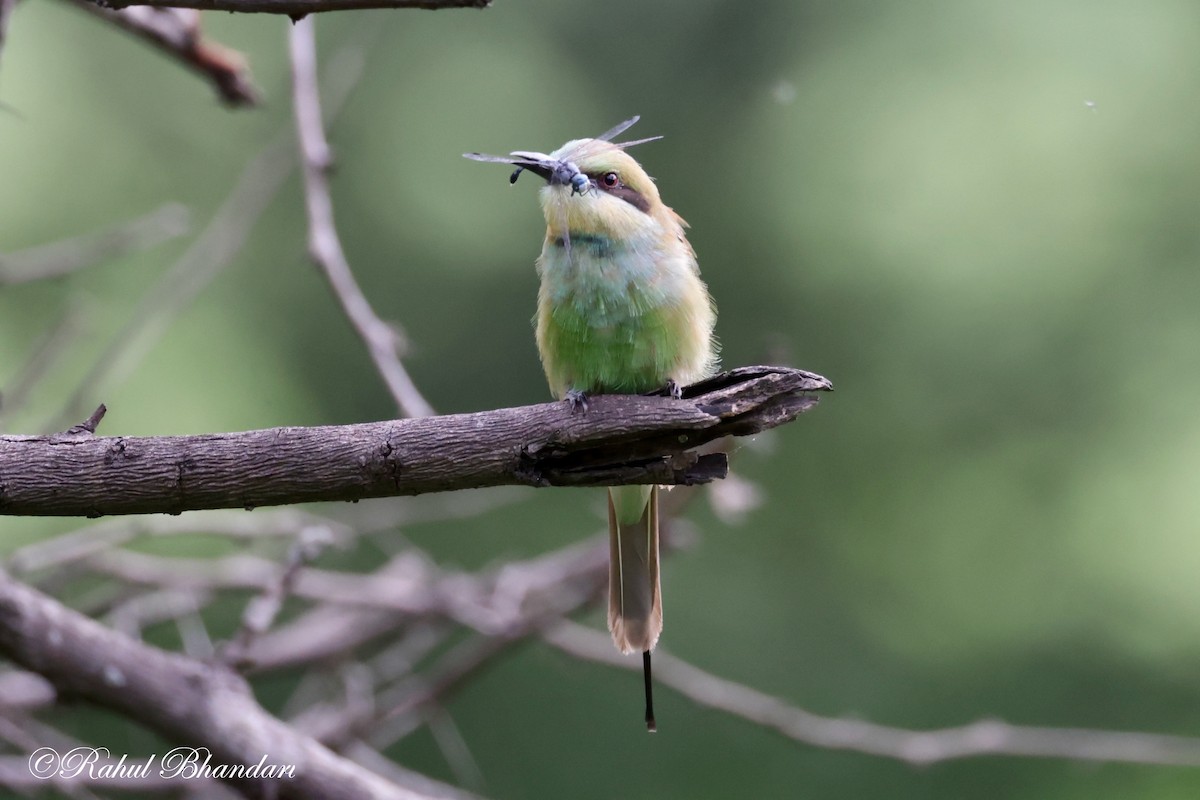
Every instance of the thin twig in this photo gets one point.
(89, 425)
(982, 738)
(97, 537)
(383, 591)
(491, 602)
(135, 614)
(526, 598)
(261, 612)
(455, 749)
(324, 246)
(60, 258)
(176, 31)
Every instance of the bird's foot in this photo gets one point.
(577, 400)
(674, 389)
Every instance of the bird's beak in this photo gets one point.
(551, 170)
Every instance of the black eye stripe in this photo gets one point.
(632, 197)
(626, 193)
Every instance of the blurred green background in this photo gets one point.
(979, 219)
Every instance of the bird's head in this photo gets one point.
(594, 186)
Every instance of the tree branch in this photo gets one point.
(986, 737)
(324, 246)
(622, 439)
(298, 8)
(194, 703)
(175, 30)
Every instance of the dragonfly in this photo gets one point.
(559, 168)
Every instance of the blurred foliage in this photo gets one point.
(978, 219)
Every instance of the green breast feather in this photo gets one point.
(620, 319)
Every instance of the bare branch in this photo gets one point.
(70, 255)
(407, 586)
(402, 709)
(982, 738)
(491, 603)
(89, 425)
(24, 691)
(97, 537)
(387, 591)
(455, 749)
(324, 246)
(623, 439)
(176, 31)
(299, 8)
(324, 632)
(261, 612)
(199, 704)
(504, 608)
(141, 611)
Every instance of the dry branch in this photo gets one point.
(197, 704)
(622, 439)
(175, 31)
(988, 737)
(324, 246)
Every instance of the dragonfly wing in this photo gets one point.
(623, 145)
(618, 130)
(490, 159)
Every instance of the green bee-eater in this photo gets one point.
(621, 309)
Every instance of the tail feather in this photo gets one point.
(634, 588)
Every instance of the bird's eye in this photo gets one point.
(611, 180)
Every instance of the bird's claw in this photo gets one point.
(674, 389)
(577, 400)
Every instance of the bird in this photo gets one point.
(621, 309)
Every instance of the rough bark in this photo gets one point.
(620, 439)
